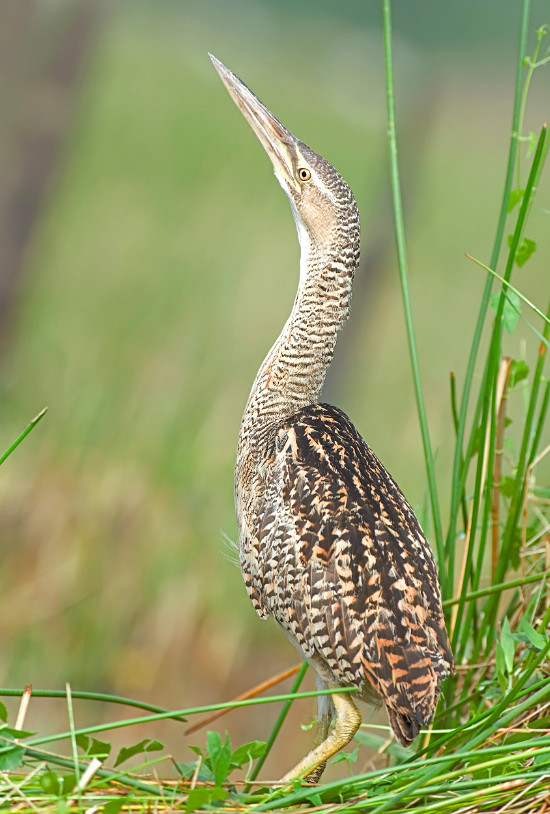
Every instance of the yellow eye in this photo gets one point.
(304, 174)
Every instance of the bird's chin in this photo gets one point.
(294, 193)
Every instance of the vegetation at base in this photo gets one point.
(489, 747)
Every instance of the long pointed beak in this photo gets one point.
(277, 141)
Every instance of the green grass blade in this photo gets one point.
(145, 719)
(482, 490)
(497, 588)
(23, 435)
(278, 724)
(67, 763)
(509, 285)
(459, 475)
(404, 278)
(9, 692)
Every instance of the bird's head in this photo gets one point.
(318, 195)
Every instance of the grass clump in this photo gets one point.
(489, 747)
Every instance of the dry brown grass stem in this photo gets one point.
(252, 693)
(502, 396)
(23, 707)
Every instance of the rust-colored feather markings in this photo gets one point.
(328, 544)
(362, 592)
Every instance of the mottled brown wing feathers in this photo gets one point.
(345, 568)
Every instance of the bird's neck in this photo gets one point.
(292, 374)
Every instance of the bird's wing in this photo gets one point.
(346, 569)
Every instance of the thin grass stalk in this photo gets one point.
(483, 718)
(454, 413)
(457, 640)
(10, 692)
(106, 774)
(523, 461)
(540, 423)
(73, 739)
(416, 768)
(277, 727)
(489, 379)
(32, 424)
(537, 381)
(488, 490)
(502, 395)
(459, 474)
(404, 278)
(505, 704)
(496, 588)
(478, 740)
(145, 719)
(510, 287)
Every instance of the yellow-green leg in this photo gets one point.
(346, 724)
(323, 728)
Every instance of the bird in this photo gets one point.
(328, 545)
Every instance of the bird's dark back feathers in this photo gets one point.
(342, 564)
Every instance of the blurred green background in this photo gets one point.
(149, 259)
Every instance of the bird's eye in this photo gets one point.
(304, 174)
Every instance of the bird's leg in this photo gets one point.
(348, 719)
(323, 728)
(325, 714)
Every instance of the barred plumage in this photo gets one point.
(328, 544)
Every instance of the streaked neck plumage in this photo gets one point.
(292, 374)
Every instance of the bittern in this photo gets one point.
(328, 544)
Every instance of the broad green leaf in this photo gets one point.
(517, 546)
(500, 664)
(50, 782)
(154, 746)
(248, 751)
(525, 250)
(348, 757)
(188, 770)
(11, 759)
(114, 806)
(17, 733)
(68, 783)
(516, 195)
(83, 742)
(129, 751)
(3, 712)
(219, 755)
(510, 310)
(143, 746)
(213, 743)
(519, 370)
(508, 645)
(507, 486)
(99, 748)
(535, 638)
(198, 798)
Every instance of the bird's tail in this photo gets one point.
(410, 692)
